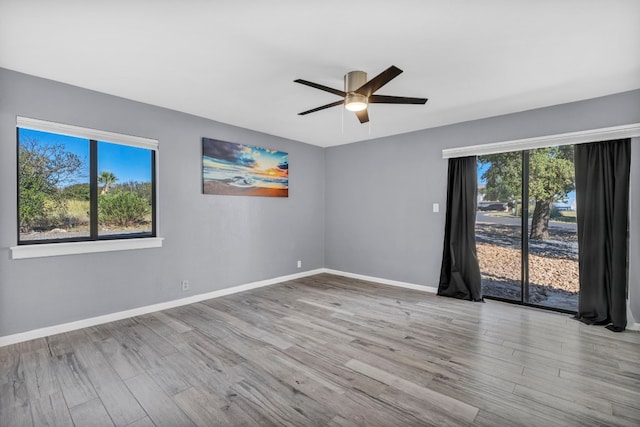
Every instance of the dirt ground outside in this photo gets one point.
(553, 265)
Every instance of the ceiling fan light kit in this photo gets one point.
(358, 92)
(355, 102)
(352, 82)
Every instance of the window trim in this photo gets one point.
(83, 247)
(601, 134)
(44, 248)
(81, 132)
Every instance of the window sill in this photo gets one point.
(73, 248)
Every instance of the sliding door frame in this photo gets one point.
(524, 145)
(524, 238)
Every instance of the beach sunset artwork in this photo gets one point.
(232, 169)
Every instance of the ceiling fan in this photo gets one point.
(358, 92)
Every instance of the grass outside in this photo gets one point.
(78, 211)
(565, 216)
(74, 218)
(561, 216)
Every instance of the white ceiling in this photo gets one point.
(235, 61)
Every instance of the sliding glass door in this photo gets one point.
(499, 225)
(552, 239)
(526, 227)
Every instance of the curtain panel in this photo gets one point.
(602, 198)
(460, 272)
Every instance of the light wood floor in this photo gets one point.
(327, 351)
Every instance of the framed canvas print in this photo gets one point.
(232, 169)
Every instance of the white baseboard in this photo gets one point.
(93, 321)
(406, 285)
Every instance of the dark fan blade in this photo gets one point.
(378, 81)
(333, 104)
(384, 99)
(363, 116)
(321, 87)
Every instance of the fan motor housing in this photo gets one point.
(353, 81)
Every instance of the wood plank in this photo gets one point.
(446, 403)
(13, 387)
(143, 422)
(120, 404)
(61, 344)
(73, 380)
(162, 410)
(90, 414)
(586, 415)
(328, 364)
(357, 408)
(328, 307)
(424, 410)
(245, 328)
(16, 416)
(170, 381)
(280, 403)
(206, 409)
(37, 371)
(121, 358)
(51, 410)
(611, 391)
(164, 325)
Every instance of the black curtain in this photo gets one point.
(602, 198)
(460, 273)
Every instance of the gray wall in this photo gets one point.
(213, 241)
(379, 194)
(362, 208)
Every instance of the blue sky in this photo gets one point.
(125, 162)
(482, 168)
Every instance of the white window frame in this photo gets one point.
(84, 247)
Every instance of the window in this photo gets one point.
(82, 185)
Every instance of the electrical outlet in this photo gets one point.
(185, 285)
(299, 264)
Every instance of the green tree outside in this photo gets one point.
(122, 208)
(551, 179)
(42, 171)
(107, 179)
(77, 192)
